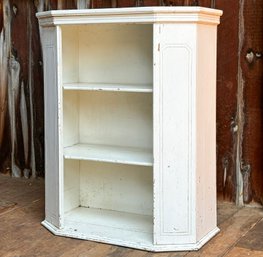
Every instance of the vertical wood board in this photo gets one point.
(53, 125)
(174, 133)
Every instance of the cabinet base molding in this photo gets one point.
(127, 242)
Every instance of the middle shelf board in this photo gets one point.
(112, 154)
(140, 88)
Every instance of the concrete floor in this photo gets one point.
(21, 235)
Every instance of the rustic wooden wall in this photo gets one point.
(239, 93)
(21, 98)
(227, 84)
(240, 102)
(251, 77)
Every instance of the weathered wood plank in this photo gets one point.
(227, 69)
(238, 110)
(22, 234)
(252, 80)
(21, 95)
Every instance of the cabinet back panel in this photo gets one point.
(126, 188)
(109, 118)
(116, 53)
(71, 185)
(70, 54)
(70, 118)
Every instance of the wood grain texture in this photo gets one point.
(21, 127)
(22, 234)
(21, 87)
(21, 139)
(227, 68)
(252, 75)
(132, 3)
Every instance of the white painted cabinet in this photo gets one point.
(130, 125)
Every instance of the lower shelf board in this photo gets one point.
(117, 228)
(107, 226)
(110, 220)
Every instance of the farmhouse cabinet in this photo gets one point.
(130, 125)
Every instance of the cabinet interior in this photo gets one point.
(108, 53)
(108, 126)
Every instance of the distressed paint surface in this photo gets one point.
(184, 77)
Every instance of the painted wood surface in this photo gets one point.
(112, 154)
(102, 186)
(21, 110)
(143, 88)
(27, 211)
(175, 133)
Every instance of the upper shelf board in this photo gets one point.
(183, 14)
(142, 88)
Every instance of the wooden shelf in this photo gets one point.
(106, 153)
(113, 226)
(140, 88)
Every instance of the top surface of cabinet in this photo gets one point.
(131, 15)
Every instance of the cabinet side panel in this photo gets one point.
(206, 131)
(173, 134)
(53, 160)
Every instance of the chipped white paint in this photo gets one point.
(53, 125)
(194, 15)
(92, 191)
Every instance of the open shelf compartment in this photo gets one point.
(110, 57)
(108, 200)
(108, 133)
(109, 226)
(110, 127)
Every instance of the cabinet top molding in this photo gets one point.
(130, 15)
